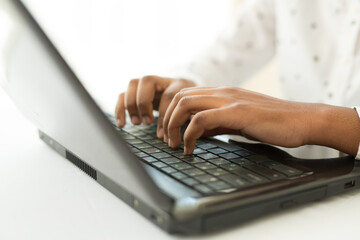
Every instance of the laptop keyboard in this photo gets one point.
(211, 168)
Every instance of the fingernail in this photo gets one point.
(146, 120)
(186, 150)
(161, 133)
(135, 120)
(170, 143)
(119, 123)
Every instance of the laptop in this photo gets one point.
(221, 185)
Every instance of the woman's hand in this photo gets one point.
(215, 110)
(145, 95)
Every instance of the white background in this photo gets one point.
(108, 42)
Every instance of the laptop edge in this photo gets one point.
(119, 171)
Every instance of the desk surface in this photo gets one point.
(44, 197)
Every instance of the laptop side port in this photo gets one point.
(349, 184)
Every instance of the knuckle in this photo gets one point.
(179, 95)
(142, 104)
(198, 119)
(121, 96)
(188, 138)
(160, 121)
(147, 78)
(227, 89)
(168, 96)
(130, 105)
(133, 81)
(241, 105)
(184, 101)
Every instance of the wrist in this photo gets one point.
(318, 123)
(335, 127)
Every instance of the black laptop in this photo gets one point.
(220, 185)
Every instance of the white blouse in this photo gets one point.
(316, 42)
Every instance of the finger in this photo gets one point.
(120, 110)
(130, 102)
(165, 100)
(186, 107)
(208, 120)
(177, 98)
(147, 88)
(164, 103)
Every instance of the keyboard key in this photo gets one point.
(162, 146)
(159, 164)
(150, 159)
(142, 145)
(206, 178)
(190, 181)
(217, 171)
(168, 170)
(184, 156)
(217, 150)
(131, 129)
(134, 149)
(207, 156)
(288, 171)
(147, 137)
(241, 161)
(230, 166)
(134, 141)
(250, 176)
(193, 172)
(229, 156)
(268, 173)
(243, 153)
(219, 185)
(150, 131)
(198, 151)
(218, 161)
(151, 150)
(139, 134)
(160, 155)
(235, 181)
(203, 189)
(156, 141)
(174, 150)
(206, 146)
(170, 160)
(181, 166)
(178, 175)
(258, 158)
(195, 160)
(141, 154)
(128, 137)
(270, 164)
(205, 166)
(167, 149)
(232, 148)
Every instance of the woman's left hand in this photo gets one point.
(230, 110)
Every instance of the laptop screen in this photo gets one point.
(50, 95)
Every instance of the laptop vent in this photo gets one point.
(81, 164)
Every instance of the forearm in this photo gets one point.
(335, 127)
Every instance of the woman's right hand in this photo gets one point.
(145, 95)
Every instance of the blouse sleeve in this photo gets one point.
(357, 109)
(244, 46)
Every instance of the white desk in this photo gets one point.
(43, 196)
